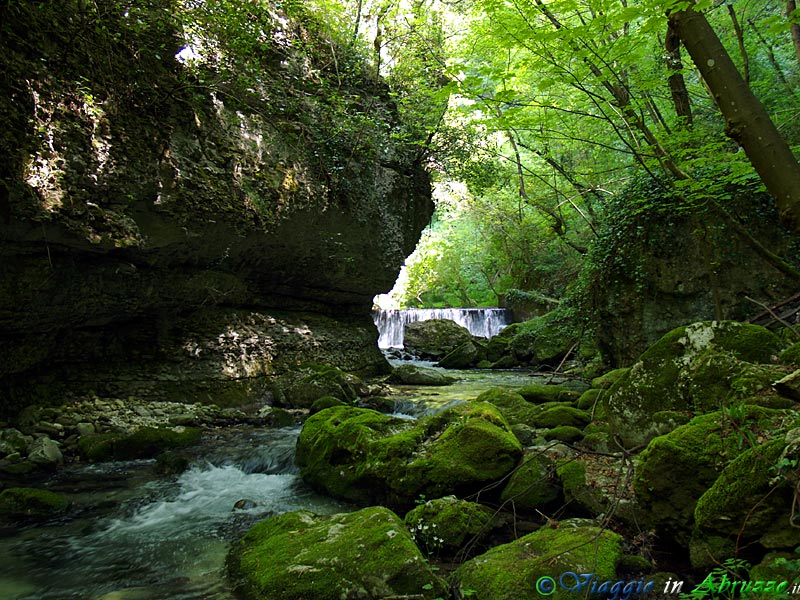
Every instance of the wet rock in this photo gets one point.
(146, 442)
(301, 388)
(31, 503)
(411, 374)
(85, 428)
(367, 457)
(45, 452)
(244, 504)
(364, 554)
(435, 338)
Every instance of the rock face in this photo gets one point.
(661, 266)
(154, 213)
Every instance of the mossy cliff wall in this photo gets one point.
(665, 261)
(202, 223)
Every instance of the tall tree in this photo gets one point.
(747, 121)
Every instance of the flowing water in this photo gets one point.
(132, 535)
(482, 322)
(147, 538)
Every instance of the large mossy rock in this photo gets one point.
(446, 526)
(514, 407)
(532, 486)
(299, 556)
(367, 457)
(145, 442)
(676, 469)
(434, 338)
(411, 374)
(152, 212)
(695, 368)
(541, 341)
(752, 497)
(21, 504)
(299, 389)
(465, 356)
(511, 571)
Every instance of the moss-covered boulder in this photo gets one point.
(560, 416)
(536, 393)
(791, 356)
(532, 485)
(676, 469)
(465, 356)
(299, 556)
(145, 442)
(411, 374)
(544, 340)
(511, 571)
(598, 485)
(435, 338)
(367, 457)
(323, 403)
(299, 389)
(565, 433)
(671, 375)
(514, 407)
(31, 503)
(446, 526)
(608, 379)
(589, 399)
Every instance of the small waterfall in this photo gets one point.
(481, 322)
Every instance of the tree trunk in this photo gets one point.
(747, 121)
(791, 6)
(677, 84)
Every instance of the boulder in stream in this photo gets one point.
(366, 457)
(411, 374)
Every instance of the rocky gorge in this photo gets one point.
(193, 401)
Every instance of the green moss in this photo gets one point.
(510, 571)
(537, 394)
(739, 501)
(531, 485)
(364, 456)
(708, 551)
(606, 380)
(598, 442)
(513, 406)
(589, 399)
(296, 556)
(560, 416)
(323, 403)
(145, 442)
(565, 433)
(31, 503)
(791, 356)
(446, 525)
(676, 469)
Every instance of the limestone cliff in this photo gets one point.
(201, 221)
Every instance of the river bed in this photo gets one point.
(134, 535)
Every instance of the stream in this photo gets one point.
(134, 535)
